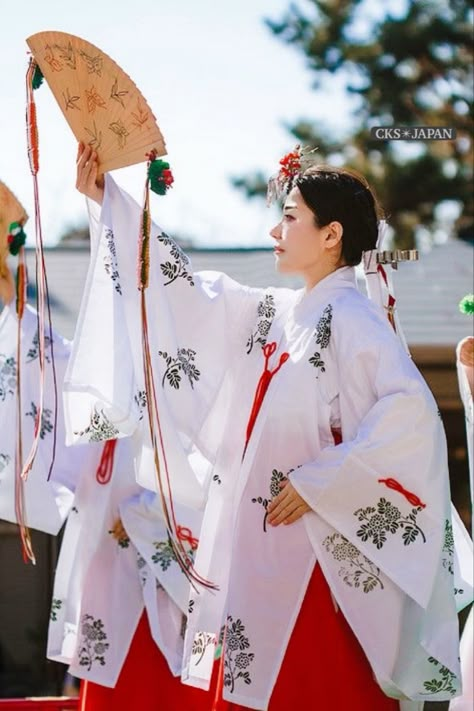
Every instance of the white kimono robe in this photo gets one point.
(466, 701)
(101, 585)
(381, 553)
(47, 503)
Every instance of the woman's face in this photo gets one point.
(301, 247)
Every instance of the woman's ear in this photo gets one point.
(334, 234)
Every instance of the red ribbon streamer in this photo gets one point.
(263, 383)
(410, 496)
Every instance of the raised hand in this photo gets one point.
(87, 180)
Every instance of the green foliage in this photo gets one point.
(414, 69)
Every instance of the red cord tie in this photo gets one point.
(185, 534)
(391, 299)
(410, 496)
(263, 383)
(106, 464)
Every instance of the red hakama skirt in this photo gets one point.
(324, 668)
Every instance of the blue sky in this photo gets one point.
(220, 85)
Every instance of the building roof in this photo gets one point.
(428, 291)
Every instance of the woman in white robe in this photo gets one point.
(106, 595)
(266, 384)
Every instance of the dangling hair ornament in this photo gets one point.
(292, 165)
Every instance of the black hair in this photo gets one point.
(342, 195)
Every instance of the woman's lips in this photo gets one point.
(278, 250)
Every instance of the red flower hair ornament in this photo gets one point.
(292, 165)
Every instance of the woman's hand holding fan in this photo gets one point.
(88, 181)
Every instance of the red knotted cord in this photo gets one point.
(106, 464)
(262, 387)
(391, 301)
(185, 534)
(409, 495)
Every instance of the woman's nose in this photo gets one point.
(275, 232)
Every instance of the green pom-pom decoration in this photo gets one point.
(37, 77)
(466, 305)
(16, 238)
(160, 176)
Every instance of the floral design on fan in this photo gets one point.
(100, 428)
(236, 659)
(8, 374)
(70, 101)
(448, 547)
(359, 572)
(276, 479)
(140, 400)
(4, 461)
(116, 94)
(96, 137)
(165, 554)
(67, 54)
(443, 683)
(110, 261)
(387, 518)
(33, 351)
(46, 424)
(56, 605)
(322, 334)
(54, 63)
(265, 314)
(93, 63)
(182, 363)
(120, 131)
(94, 100)
(201, 642)
(140, 115)
(179, 268)
(93, 645)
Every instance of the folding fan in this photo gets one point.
(100, 102)
(11, 211)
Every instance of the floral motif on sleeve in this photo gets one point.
(322, 335)
(236, 658)
(359, 571)
(443, 683)
(266, 311)
(110, 261)
(100, 428)
(4, 461)
(142, 569)
(201, 642)
(140, 399)
(33, 351)
(56, 605)
(448, 547)
(275, 481)
(182, 364)
(179, 267)
(93, 645)
(165, 554)
(8, 373)
(46, 424)
(387, 518)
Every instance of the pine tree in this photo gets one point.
(414, 69)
